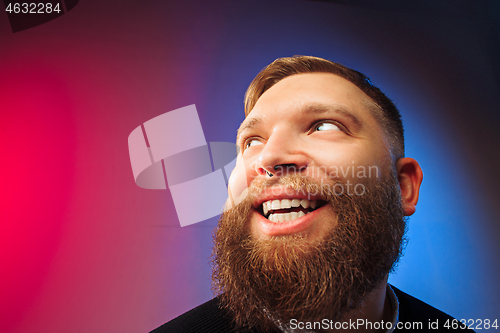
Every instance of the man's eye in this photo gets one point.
(252, 142)
(326, 127)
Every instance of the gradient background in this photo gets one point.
(83, 249)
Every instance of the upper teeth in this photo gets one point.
(287, 203)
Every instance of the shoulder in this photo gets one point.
(209, 317)
(413, 311)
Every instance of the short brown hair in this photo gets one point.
(384, 109)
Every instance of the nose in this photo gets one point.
(281, 155)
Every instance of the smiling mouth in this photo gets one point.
(288, 209)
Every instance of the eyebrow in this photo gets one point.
(317, 108)
(246, 125)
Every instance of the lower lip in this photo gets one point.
(301, 224)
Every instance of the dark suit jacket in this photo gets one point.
(210, 318)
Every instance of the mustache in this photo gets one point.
(328, 189)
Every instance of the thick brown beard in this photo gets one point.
(287, 277)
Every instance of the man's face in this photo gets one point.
(316, 125)
(315, 133)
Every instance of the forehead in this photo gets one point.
(302, 93)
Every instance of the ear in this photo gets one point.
(410, 177)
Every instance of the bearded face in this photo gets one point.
(265, 281)
(271, 267)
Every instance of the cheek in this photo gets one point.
(237, 181)
(356, 165)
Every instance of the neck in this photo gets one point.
(375, 309)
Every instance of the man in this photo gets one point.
(315, 219)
